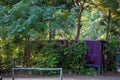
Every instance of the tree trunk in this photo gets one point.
(79, 23)
(51, 32)
(108, 27)
(0, 62)
(26, 52)
(78, 32)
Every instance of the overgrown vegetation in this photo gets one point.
(112, 48)
(70, 55)
(24, 22)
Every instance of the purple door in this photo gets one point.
(94, 54)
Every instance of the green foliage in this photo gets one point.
(111, 4)
(113, 48)
(25, 21)
(74, 57)
(29, 15)
(88, 71)
(54, 54)
(107, 6)
(6, 54)
(9, 2)
(46, 57)
(92, 28)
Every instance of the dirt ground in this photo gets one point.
(108, 76)
(72, 77)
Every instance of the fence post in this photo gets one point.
(12, 73)
(61, 74)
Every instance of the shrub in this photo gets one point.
(70, 56)
(75, 57)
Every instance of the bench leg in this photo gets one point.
(99, 70)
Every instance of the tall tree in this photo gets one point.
(110, 9)
(79, 26)
(32, 20)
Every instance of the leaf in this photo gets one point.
(31, 19)
(36, 10)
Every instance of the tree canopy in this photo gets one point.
(55, 18)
